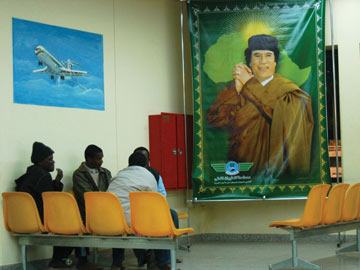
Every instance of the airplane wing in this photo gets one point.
(41, 70)
(71, 72)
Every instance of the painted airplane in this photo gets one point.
(54, 67)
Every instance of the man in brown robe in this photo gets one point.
(269, 117)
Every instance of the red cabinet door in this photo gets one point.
(167, 148)
(155, 141)
(169, 151)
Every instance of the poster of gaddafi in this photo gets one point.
(259, 98)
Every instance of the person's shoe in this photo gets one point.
(116, 267)
(60, 263)
(88, 266)
(165, 267)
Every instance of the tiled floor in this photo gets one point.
(217, 255)
(254, 256)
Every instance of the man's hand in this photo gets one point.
(241, 74)
(59, 175)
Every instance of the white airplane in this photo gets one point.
(54, 67)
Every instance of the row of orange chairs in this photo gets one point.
(150, 215)
(340, 206)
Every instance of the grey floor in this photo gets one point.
(254, 256)
(216, 255)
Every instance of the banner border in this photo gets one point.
(198, 171)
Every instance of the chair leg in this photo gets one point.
(23, 256)
(294, 253)
(289, 264)
(182, 247)
(96, 255)
(339, 240)
(294, 261)
(188, 243)
(355, 247)
(173, 259)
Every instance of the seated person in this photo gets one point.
(159, 180)
(161, 188)
(137, 178)
(37, 180)
(90, 176)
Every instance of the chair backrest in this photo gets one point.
(61, 213)
(335, 204)
(314, 206)
(351, 203)
(150, 214)
(104, 214)
(20, 213)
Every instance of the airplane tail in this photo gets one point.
(69, 63)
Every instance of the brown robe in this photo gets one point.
(269, 125)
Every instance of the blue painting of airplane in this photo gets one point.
(54, 67)
(44, 57)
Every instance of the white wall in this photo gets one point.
(148, 67)
(142, 62)
(65, 130)
(347, 37)
(142, 69)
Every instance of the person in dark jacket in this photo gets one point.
(90, 176)
(37, 180)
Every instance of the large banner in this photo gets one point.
(259, 98)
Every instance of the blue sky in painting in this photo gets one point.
(85, 48)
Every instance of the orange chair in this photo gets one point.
(182, 215)
(150, 215)
(20, 213)
(104, 214)
(61, 214)
(313, 211)
(335, 204)
(351, 203)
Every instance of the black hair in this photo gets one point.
(137, 159)
(262, 42)
(91, 151)
(142, 148)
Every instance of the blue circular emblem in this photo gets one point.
(232, 168)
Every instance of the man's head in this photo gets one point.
(93, 156)
(145, 152)
(262, 56)
(42, 156)
(137, 159)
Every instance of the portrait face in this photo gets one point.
(262, 64)
(47, 164)
(96, 161)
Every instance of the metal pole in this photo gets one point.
(182, 3)
(23, 256)
(335, 102)
(334, 90)
(294, 253)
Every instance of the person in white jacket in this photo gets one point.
(133, 178)
(136, 178)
